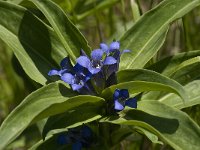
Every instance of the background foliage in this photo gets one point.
(172, 28)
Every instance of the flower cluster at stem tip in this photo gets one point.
(91, 75)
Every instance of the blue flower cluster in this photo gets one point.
(78, 137)
(90, 75)
(93, 70)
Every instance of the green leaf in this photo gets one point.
(119, 134)
(33, 42)
(152, 137)
(99, 6)
(169, 65)
(187, 71)
(183, 68)
(62, 122)
(69, 35)
(50, 100)
(148, 34)
(171, 125)
(193, 90)
(49, 144)
(140, 80)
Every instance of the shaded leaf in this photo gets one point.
(33, 42)
(171, 125)
(50, 100)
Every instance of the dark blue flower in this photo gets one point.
(78, 137)
(113, 48)
(64, 139)
(121, 99)
(77, 80)
(76, 76)
(95, 64)
(77, 146)
(66, 66)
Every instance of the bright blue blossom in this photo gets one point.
(113, 48)
(77, 81)
(75, 76)
(78, 137)
(121, 99)
(95, 64)
(91, 75)
(66, 66)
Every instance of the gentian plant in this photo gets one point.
(113, 97)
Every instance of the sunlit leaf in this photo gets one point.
(69, 35)
(140, 80)
(148, 34)
(193, 90)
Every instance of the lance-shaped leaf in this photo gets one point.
(183, 68)
(147, 35)
(172, 126)
(169, 65)
(69, 35)
(33, 42)
(140, 80)
(50, 100)
(193, 90)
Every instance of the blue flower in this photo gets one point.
(78, 137)
(66, 66)
(76, 76)
(121, 99)
(77, 80)
(95, 64)
(113, 48)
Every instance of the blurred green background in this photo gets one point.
(99, 21)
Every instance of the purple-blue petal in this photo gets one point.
(97, 54)
(94, 70)
(66, 64)
(109, 60)
(131, 102)
(104, 47)
(118, 106)
(63, 139)
(116, 94)
(53, 72)
(83, 61)
(77, 146)
(76, 87)
(78, 68)
(86, 132)
(114, 46)
(124, 93)
(68, 78)
(126, 51)
(61, 72)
